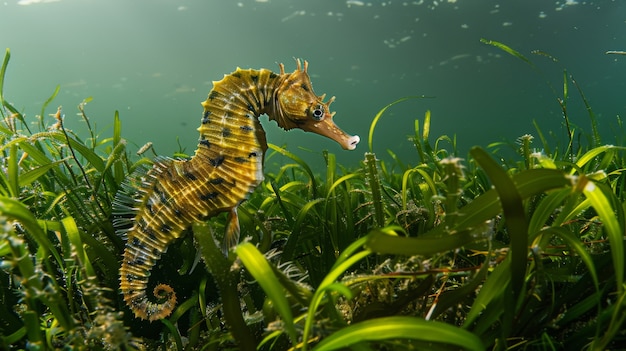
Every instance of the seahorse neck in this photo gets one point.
(270, 105)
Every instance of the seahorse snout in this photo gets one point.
(352, 142)
(329, 129)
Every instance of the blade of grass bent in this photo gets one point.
(507, 49)
(86, 152)
(292, 241)
(3, 102)
(46, 103)
(30, 176)
(370, 138)
(259, 268)
(300, 162)
(577, 246)
(346, 259)
(487, 205)
(381, 242)
(491, 291)
(14, 209)
(614, 229)
(393, 328)
(513, 209)
(3, 71)
(593, 153)
(426, 178)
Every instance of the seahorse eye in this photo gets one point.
(318, 113)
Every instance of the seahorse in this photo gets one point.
(161, 202)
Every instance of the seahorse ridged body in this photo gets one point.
(166, 199)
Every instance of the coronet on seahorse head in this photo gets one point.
(297, 106)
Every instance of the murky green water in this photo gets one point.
(154, 62)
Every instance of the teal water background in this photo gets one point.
(154, 60)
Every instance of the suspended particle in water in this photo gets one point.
(354, 3)
(144, 148)
(293, 15)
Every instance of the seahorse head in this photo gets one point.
(297, 106)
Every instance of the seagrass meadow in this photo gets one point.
(437, 252)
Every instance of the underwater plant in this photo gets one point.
(434, 252)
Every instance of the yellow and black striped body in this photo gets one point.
(227, 166)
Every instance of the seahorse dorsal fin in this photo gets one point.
(231, 235)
